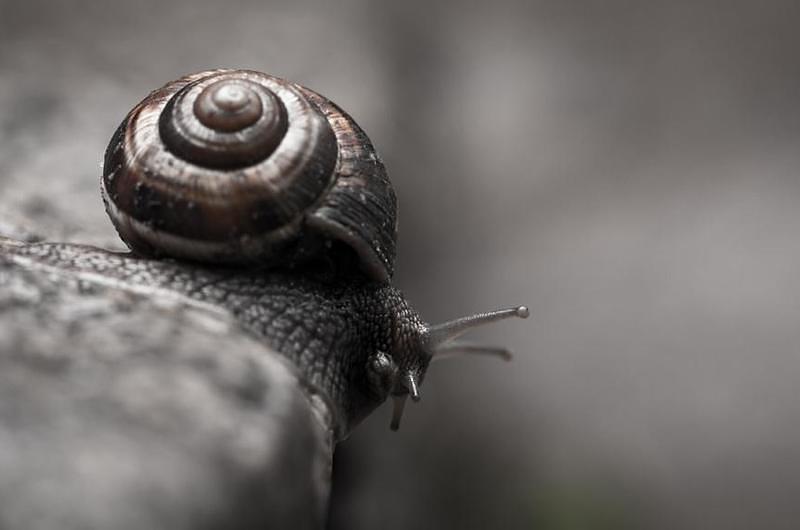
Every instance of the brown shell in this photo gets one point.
(274, 191)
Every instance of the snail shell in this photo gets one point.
(240, 167)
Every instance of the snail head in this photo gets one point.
(401, 372)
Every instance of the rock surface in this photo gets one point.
(126, 411)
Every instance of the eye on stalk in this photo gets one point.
(440, 342)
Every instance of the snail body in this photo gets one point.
(236, 167)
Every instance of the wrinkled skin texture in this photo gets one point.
(328, 327)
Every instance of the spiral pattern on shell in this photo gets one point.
(237, 166)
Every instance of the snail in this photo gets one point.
(268, 183)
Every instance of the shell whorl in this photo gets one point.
(224, 123)
(237, 166)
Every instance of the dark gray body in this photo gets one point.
(328, 327)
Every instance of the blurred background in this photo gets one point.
(627, 169)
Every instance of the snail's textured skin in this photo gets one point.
(328, 327)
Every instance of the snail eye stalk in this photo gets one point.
(439, 341)
(441, 334)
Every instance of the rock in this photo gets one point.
(131, 411)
